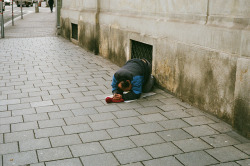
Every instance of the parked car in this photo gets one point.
(26, 3)
(7, 2)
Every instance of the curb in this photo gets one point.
(17, 18)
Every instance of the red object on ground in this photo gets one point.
(111, 100)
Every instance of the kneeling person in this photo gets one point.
(134, 78)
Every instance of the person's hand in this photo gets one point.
(117, 97)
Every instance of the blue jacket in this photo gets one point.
(134, 70)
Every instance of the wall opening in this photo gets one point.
(74, 31)
(141, 50)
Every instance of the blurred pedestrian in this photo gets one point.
(51, 3)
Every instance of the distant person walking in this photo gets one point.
(51, 3)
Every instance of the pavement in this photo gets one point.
(53, 112)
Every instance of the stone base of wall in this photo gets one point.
(65, 28)
(203, 77)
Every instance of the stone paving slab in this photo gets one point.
(53, 112)
(21, 158)
(106, 159)
(198, 157)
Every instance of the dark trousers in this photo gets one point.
(148, 86)
(51, 7)
(149, 79)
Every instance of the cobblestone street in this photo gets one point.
(53, 111)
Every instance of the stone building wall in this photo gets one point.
(201, 48)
